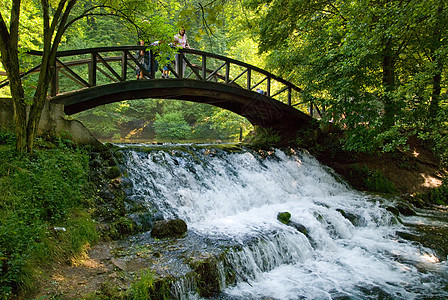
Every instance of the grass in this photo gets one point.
(41, 192)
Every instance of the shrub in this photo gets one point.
(172, 127)
(377, 182)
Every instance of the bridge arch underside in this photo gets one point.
(259, 109)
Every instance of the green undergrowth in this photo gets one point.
(44, 211)
(437, 196)
(147, 287)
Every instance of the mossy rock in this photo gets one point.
(284, 217)
(169, 228)
(113, 172)
(206, 269)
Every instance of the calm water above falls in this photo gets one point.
(233, 198)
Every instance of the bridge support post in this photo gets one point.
(92, 69)
(124, 65)
(152, 65)
(268, 87)
(289, 95)
(180, 64)
(204, 67)
(227, 79)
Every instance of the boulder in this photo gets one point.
(284, 217)
(169, 228)
(299, 227)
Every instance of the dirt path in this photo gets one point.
(97, 271)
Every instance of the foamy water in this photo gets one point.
(236, 197)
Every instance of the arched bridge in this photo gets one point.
(106, 75)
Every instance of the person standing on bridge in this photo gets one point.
(143, 59)
(181, 41)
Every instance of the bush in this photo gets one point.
(377, 182)
(172, 127)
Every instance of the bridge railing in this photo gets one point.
(115, 64)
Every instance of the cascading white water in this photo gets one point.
(235, 197)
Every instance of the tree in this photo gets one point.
(357, 58)
(55, 18)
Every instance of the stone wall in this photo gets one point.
(53, 122)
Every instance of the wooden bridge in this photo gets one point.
(106, 75)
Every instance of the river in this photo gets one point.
(349, 246)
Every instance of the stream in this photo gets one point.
(339, 244)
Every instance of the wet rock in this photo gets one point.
(120, 264)
(142, 219)
(169, 228)
(113, 172)
(354, 219)
(299, 227)
(405, 209)
(284, 217)
(208, 275)
(393, 210)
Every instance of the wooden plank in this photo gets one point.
(289, 95)
(268, 87)
(193, 69)
(237, 77)
(227, 78)
(54, 85)
(204, 66)
(260, 82)
(69, 76)
(72, 73)
(281, 91)
(108, 66)
(107, 75)
(215, 71)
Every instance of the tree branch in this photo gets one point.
(4, 35)
(14, 23)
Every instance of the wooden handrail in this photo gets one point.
(127, 57)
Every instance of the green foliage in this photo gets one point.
(41, 193)
(377, 182)
(265, 137)
(435, 136)
(372, 180)
(438, 196)
(7, 138)
(379, 69)
(147, 288)
(172, 127)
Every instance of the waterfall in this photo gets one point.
(348, 248)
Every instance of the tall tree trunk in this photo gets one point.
(437, 77)
(435, 97)
(10, 60)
